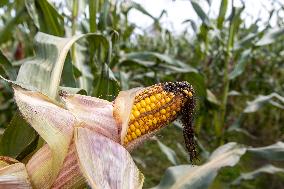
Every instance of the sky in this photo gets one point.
(180, 10)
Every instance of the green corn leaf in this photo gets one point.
(46, 17)
(222, 13)
(19, 139)
(171, 155)
(241, 64)
(5, 32)
(273, 152)
(43, 72)
(262, 100)
(268, 169)
(7, 67)
(200, 12)
(200, 177)
(271, 36)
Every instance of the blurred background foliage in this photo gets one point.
(236, 70)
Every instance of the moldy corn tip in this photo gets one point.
(156, 106)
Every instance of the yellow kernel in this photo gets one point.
(133, 135)
(157, 114)
(153, 98)
(158, 96)
(132, 127)
(150, 116)
(132, 117)
(147, 100)
(154, 121)
(153, 106)
(150, 123)
(143, 103)
(136, 113)
(164, 117)
(174, 113)
(125, 140)
(168, 115)
(146, 128)
(168, 109)
(142, 130)
(138, 106)
(141, 122)
(163, 111)
(129, 137)
(189, 94)
(163, 101)
(136, 124)
(128, 130)
(134, 107)
(143, 110)
(138, 132)
(148, 108)
(168, 99)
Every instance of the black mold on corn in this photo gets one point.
(157, 106)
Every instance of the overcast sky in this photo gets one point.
(180, 10)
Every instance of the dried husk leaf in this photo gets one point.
(95, 114)
(105, 163)
(122, 110)
(13, 174)
(55, 125)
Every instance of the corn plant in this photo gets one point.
(77, 58)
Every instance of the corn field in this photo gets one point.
(89, 99)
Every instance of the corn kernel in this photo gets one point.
(174, 113)
(154, 121)
(132, 127)
(133, 135)
(138, 132)
(148, 108)
(143, 103)
(146, 128)
(163, 101)
(168, 115)
(143, 110)
(153, 98)
(163, 111)
(143, 130)
(147, 100)
(125, 140)
(132, 117)
(136, 124)
(158, 96)
(138, 106)
(168, 99)
(150, 123)
(136, 114)
(153, 106)
(129, 137)
(164, 117)
(134, 107)
(150, 116)
(141, 122)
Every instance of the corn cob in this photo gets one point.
(157, 106)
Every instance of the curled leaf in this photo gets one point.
(54, 124)
(105, 163)
(122, 110)
(13, 174)
(94, 113)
